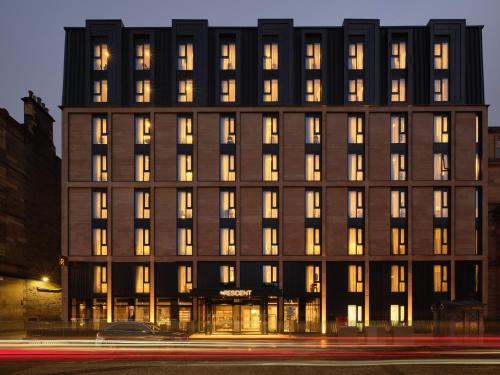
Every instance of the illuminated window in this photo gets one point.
(313, 167)
(398, 241)
(142, 284)
(440, 278)
(313, 56)
(142, 56)
(355, 133)
(269, 274)
(355, 204)
(270, 130)
(185, 91)
(398, 279)
(398, 90)
(227, 130)
(313, 279)
(441, 167)
(478, 167)
(142, 168)
(398, 204)
(356, 241)
(100, 130)
(355, 61)
(142, 130)
(100, 204)
(185, 274)
(478, 131)
(228, 90)
(184, 241)
(100, 91)
(313, 241)
(142, 241)
(270, 167)
(100, 279)
(313, 130)
(143, 91)
(184, 204)
(227, 204)
(270, 56)
(142, 204)
(185, 130)
(227, 274)
(398, 55)
(100, 168)
(184, 168)
(441, 55)
(270, 207)
(270, 90)
(441, 203)
(441, 90)
(355, 90)
(355, 279)
(270, 241)
(355, 167)
(228, 56)
(398, 167)
(440, 241)
(99, 241)
(354, 315)
(397, 315)
(185, 57)
(313, 90)
(227, 241)
(398, 129)
(101, 56)
(441, 129)
(227, 168)
(313, 204)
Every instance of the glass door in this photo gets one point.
(250, 318)
(223, 318)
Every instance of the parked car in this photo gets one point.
(135, 331)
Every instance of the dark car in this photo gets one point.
(135, 331)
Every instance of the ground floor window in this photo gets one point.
(163, 315)
(313, 316)
(355, 316)
(291, 315)
(398, 315)
(185, 309)
(130, 310)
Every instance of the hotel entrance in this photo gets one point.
(237, 317)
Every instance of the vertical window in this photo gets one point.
(398, 90)
(228, 56)
(270, 56)
(100, 91)
(184, 204)
(100, 279)
(228, 90)
(397, 314)
(101, 56)
(142, 56)
(142, 130)
(185, 274)
(356, 241)
(398, 241)
(142, 168)
(184, 241)
(355, 61)
(269, 274)
(185, 130)
(313, 90)
(313, 204)
(142, 279)
(355, 281)
(356, 90)
(270, 130)
(270, 170)
(440, 278)
(441, 203)
(398, 129)
(142, 241)
(227, 168)
(354, 315)
(185, 57)
(142, 204)
(313, 279)
(227, 241)
(100, 168)
(440, 241)
(227, 274)
(100, 130)
(398, 55)
(441, 55)
(313, 56)
(99, 241)
(100, 204)
(143, 91)
(398, 204)
(355, 133)
(313, 241)
(441, 129)
(227, 204)
(355, 167)
(270, 208)
(441, 90)
(441, 166)
(313, 167)
(227, 130)
(313, 130)
(270, 241)
(270, 90)
(184, 168)
(398, 167)
(185, 91)
(355, 204)
(398, 279)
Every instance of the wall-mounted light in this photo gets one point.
(45, 279)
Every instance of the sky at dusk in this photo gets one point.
(32, 34)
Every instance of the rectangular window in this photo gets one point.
(184, 204)
(313, 56)
(313, 241)
(270, 208)
(313, 167)
(142, 56)
(398, 204)
(313, 204)
(270, 169)
(441, 90)
(313, 130)
(355, 281)
(228, 56)
(398, 90)
(228, 90)
(184, 241)
(101, 56)
(355, 204)
(227, 130)
(184, 168)
(397, 315)
(270, 56)
(269, 274)
(441, 167)
(142, 241)
(185, 130)
(354, 315)
(398, 279)
(142, 130)
(185, 91)
(478, 167)
(441, 203)
(100, 241)
(185, 274)
(355, 56)
(100, 130)
(313, 279)
(355, 90)
(398, 55)
(441, 55)
(270, 130)
(100, 204)
(227, 168)
(398, 241)
(398, 129)
(270, 241)
(270, 90)
(100, 91)
(355, 134)
(441, 129)
(142, 167)
(398, 167)
(185, 57)
(313, 90)
(440, 278)
(227, 204)
(441, 241)
(355, 167)
(227, 274)
(142, 204)
(143, 91)
(142, 284)
(100, 168)
(356, 241)
(227, 241)
(100, 279)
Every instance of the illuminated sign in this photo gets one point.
(236, 293)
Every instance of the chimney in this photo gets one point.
(36, 115)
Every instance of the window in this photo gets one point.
(355, 281)
(270, 56)
(398, 241)
(269, 274)
(440, 203)
(270, 170)
(270, 241)
(100, 204)
(313, 167)
(441, 90)
(185, 57)
(398, 167)
(355, 133)
(478, 167)
(355, 56)
(355, 90)
(397, 315)
(228, 56)
(440, 241)
(313, 90)
(142, 279)
(398, 55)
(398, 279)
(101, 56)
(356, 242)
(227, 130)
(398, 90)
(270, 208)
(441, 55)
(100, 279)
(355, 204)
(441, 129)
(184, 168)
(142, 167)
(185, 91)
(226, 274)
(227, 205)
(143, 91)
(313, 241)
(398, 204)
(227, 241)
(270, 130)
(100, 130)
(100, 241)
(184, 204)
(100, 92)
(142, 130)
(313, 130)
(398, 129)
(185, 279)
(227, 168)
(142, 241)
(270, 90)
(313, 56)
(228, 90)
(355, 166)
(185, 130)
(142, 204)
(441, 167)
(313, 279)
(354, 315)
(142, 56)
(100, 168)
(440, 278)
(184, 241)
(313, 204)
